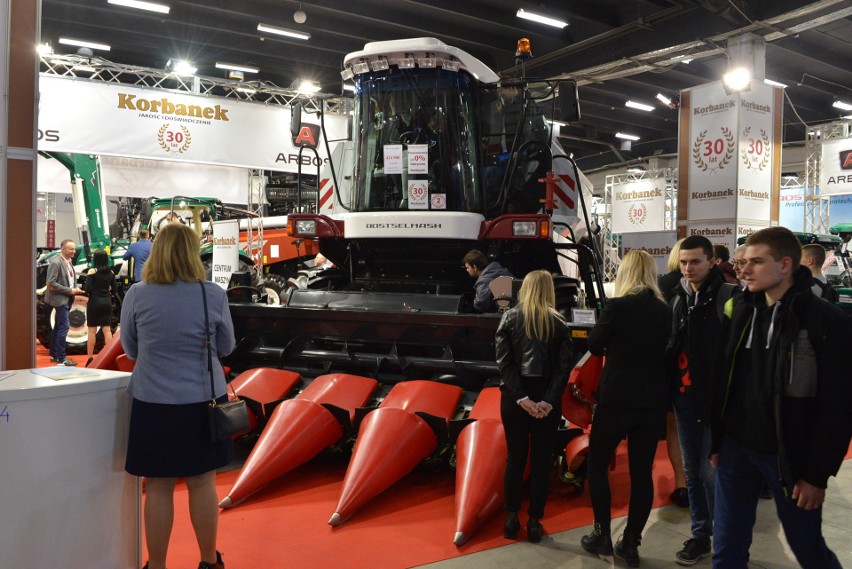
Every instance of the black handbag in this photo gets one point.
(226, 419)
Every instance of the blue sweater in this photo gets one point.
(162, 328)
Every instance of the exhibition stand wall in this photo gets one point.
(65, 498)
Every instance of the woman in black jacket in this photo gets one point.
(100, 284)
(534, 353)
(633, 396)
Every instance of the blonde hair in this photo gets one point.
(674, 256)
(536, 302)
(637, 271)
(174, 256)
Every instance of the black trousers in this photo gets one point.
(526, 436)
(642, 429)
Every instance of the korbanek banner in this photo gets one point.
(639, 206)
(754, 155)
(713, 153)
(836, 167)
(658, 244)
(120, 120)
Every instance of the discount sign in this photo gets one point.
(418, 194)
(418, 158)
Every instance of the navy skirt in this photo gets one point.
(173, 441)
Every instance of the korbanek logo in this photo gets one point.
(637, 213)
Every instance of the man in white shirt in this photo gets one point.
(60, 294)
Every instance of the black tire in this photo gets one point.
(275, 287)
(78, 333)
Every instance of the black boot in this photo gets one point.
(598, 542)
(534, 530)
(512, 526)
(628, 549)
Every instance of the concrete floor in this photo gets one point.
(665, 533)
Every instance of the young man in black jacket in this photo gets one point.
(785, 414)
(696, 342)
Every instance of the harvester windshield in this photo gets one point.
(417, 142)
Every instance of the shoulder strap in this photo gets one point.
(723, 295)
(207, 342)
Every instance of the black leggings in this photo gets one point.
(527, 436)
(642, 429)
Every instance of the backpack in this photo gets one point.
(725, 293)
(828, 292)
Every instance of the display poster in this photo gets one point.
(144, 178)
(393, 158)
(418, 158)
(754, 154)
(438, 201)
(835, 176)
(658, 243)
(840, 209)
(639, 206)
(226, 252)
(791, 211)
(418, 194)
(123, 120)
(723, 232)
(713, 153)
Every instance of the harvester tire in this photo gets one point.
(78, 333)
(275, 287)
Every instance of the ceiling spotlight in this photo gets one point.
(842, 106)
(308, 87)
(235, 67)
(737, 79)
(541, 19)
(44, 49)
(639, 106)
(181, 67)
(626, 136)
(138, 4)
(348, 87)
(283, 32)
(235, 75)
(80, 43)
(299, 16)
(636, 170)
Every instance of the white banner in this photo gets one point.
(713, 153)
(722, 232)
(119, 120)
(658, 243)
(639, 206)
(836, 167)
(139, 178)
(226, 253)
(754, 156)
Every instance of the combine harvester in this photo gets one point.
(445, 158)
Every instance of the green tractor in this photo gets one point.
(840, 276)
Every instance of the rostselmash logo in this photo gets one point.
(697, 111)
(639, 194)
(845, 159)
(403, 226)
(753, 194)
(709, 231)
(711, 195)
(308, 136)
(224, 241)
(166, 107)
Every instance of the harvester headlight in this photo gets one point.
(427, 62)
(347, 74)
(306, 227)
(450, 65)
(406, 62)
(524, 228)
(361, 67)
(380, 64)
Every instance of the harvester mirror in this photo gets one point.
(569, 102)
(504, 291)
(295, 119)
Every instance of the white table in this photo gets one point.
(65, 500)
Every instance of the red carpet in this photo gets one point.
(410, 524)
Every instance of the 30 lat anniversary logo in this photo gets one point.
(174, 139)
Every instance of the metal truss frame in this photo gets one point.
(612, 241)
(817, 214)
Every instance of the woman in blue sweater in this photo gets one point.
(163, 329)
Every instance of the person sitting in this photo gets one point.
(477, 265)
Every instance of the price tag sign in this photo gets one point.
(418, 158)
(418, 194)
(583, 315)
(393, 158)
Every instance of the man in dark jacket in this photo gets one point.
(696, 343)
(785, 417)
(477, 266)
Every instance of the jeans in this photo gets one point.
(642, 428)
(61, 326)
(700, 478)
(740, 474)
(526, 436)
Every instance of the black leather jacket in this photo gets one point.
(519, 356)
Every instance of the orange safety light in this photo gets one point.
(523, 50)
(544, 228)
